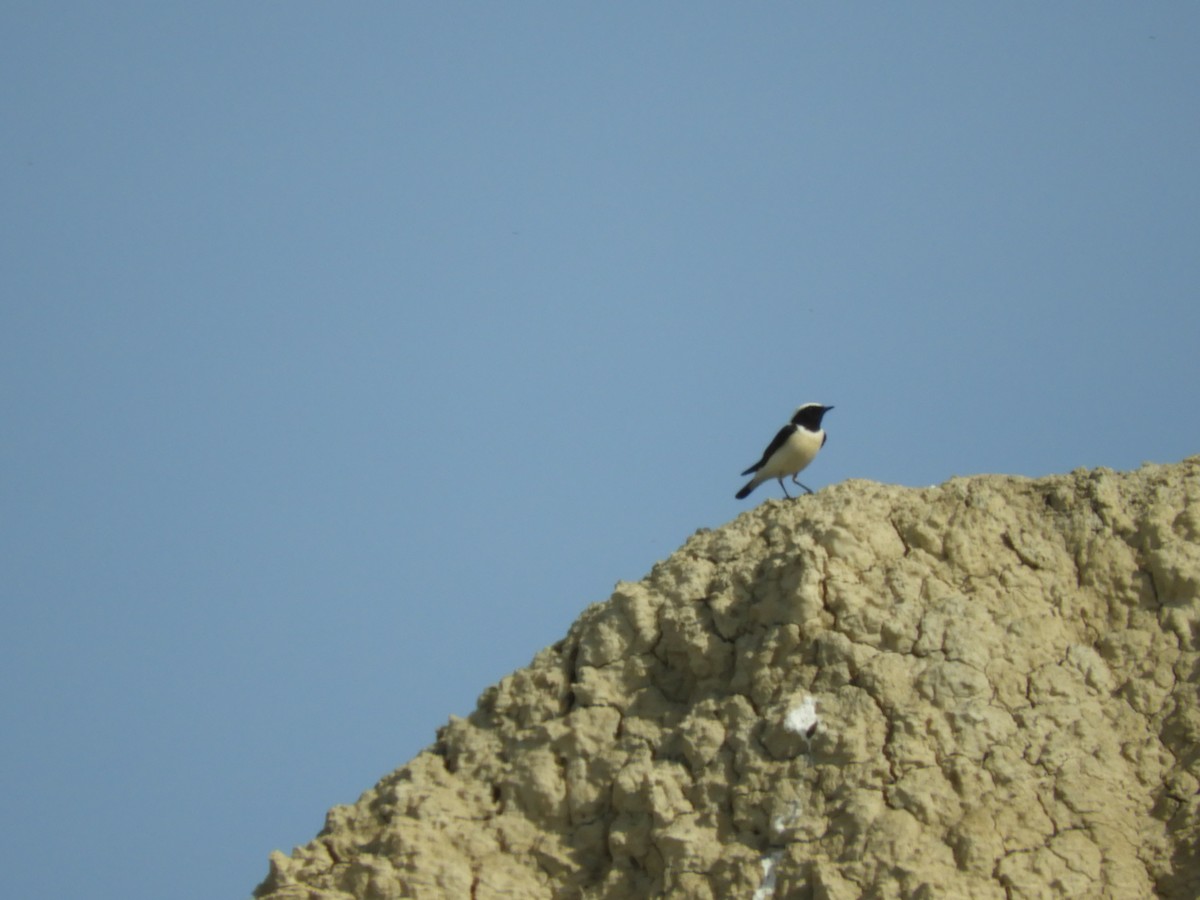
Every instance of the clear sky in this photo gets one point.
(348, 351)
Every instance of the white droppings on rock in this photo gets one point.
(802, 718)
(766, 887)
(786, 821)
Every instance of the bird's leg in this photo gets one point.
(796, 480)
(784, 486)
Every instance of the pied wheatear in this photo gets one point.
(794, 447)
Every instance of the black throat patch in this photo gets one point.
(809, 417)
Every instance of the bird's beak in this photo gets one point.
(828, 408)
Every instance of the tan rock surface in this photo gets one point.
(983, 689)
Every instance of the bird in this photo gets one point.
(794, 447)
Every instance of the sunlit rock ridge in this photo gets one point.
(985, 689)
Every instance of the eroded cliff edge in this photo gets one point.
(982, 689)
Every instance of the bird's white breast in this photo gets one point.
(797, 452)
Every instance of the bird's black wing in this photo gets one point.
(824, 438)
(784, 433)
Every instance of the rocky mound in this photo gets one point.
(983, 689)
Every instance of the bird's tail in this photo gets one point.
(750, 485)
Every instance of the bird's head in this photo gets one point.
(809, 416)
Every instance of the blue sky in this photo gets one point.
(350, 351)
